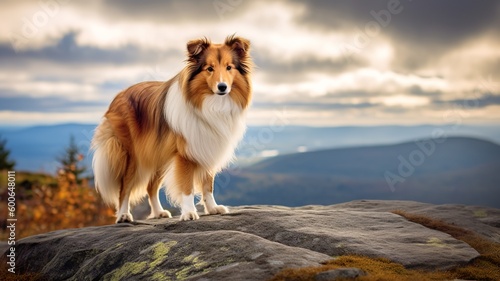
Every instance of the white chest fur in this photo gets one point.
(212, 133)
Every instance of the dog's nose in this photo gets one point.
(222, 87)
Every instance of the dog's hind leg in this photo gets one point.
(124, 214)
(211, 207)
(154, 186)
(127, 182)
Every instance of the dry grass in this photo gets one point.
(377, 269)
(8, 276)
(485, 267)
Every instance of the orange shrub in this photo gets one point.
(68, 205)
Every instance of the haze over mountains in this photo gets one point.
(308, 165)
(443, 170)
(35, 148)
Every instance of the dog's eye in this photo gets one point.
(210, 69)
(228, 67)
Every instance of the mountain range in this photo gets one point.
(36, 148)
(296, 166)
(454, 170)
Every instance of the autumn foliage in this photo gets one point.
(64, 204)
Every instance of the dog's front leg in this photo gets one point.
(183, 177)
(211, 207)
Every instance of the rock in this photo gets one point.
(339, 273)
(338, 232)
(131, 252)
(484, 221)
(250, 243)
(4, 246)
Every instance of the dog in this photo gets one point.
(179, 133)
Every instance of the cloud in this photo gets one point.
(46, 104)
(68, 51)
(420, 30)
(279, 71)
(418, 91)
(314, 105)
(430, 56)
(175, 11)
(482, 101)
(441, 23)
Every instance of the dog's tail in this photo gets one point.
(108, 163)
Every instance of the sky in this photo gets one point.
(318, 63)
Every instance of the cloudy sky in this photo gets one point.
(320, 63)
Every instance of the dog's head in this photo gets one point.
(220, 69)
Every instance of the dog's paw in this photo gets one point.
(160, 215)
(127, 217)
(217, 209)
(191, 215)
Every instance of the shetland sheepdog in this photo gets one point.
(177, 133)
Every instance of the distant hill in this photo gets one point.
(35, 148)
(451, 170)
(337, 164)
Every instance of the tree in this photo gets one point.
(5, 163)
(71, 161)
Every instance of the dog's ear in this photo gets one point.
(240, 46)
(196, 48)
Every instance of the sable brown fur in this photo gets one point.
(135, 146)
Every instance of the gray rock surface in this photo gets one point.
(484, 221)
(250, 243)
(338, 232)
(131, 252)
(335, 274)
(4, 246)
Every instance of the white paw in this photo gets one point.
(159, 215)
(217, 209)
(188, 210)
(126, 217)
(191, 215)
